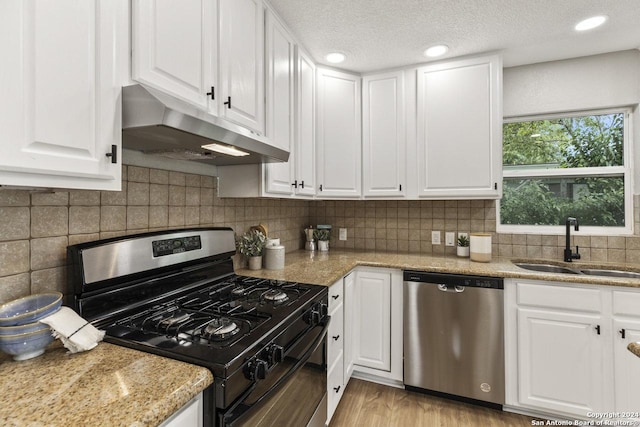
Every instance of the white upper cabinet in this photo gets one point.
(339, 150)
(60, 111)
(305, 146)
(175, 48)
(383, 135)
(242, 62)
(280, 60)
(459, 129)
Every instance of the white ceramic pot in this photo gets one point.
(323, 245)
(463, 251)
(255, 263)
(480, 244)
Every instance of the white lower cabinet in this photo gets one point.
(375, 319)
(335, 348)
(190, 415)
(566, 348)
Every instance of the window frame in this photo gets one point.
(626, 170)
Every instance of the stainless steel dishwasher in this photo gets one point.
(453, 336)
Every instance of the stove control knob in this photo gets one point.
(276, 354)
(256, 370)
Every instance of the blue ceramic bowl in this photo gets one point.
(30, 308)
(27, 345)
(22, 329)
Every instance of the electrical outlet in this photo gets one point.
(435, 237)
(343, 234)
(449, 238)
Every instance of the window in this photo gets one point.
(567, 165)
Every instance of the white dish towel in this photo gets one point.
(75, 332)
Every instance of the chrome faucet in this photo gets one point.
(568, 254)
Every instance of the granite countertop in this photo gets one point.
(324, 268)
(107, 386)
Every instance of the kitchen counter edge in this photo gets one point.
(325, 268)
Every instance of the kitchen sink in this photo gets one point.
(546, 268)
(550, 268)
(610, 273)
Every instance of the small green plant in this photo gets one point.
(463, 241)
(321, 234)
(251, 243)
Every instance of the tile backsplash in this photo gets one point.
(36, 227)
(406, 226)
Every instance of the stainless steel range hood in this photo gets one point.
(161, 125)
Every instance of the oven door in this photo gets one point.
(294, 392)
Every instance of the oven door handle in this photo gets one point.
(230, 419)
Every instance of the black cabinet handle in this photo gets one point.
(623, 333)
(320, 187)
(228, 103)
(212, 94)
(335, 296)
(495, 185)
(295, 184)
(337, 389)
(400, 187)
(301, 184)
(336, 337)
(598, 329)
(113, 154)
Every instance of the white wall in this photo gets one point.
(592, 82)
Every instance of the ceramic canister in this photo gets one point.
(480, 247)
(274, 259)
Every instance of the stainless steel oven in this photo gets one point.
(174, 293)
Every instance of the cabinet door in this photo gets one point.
(372, 320)
(459, 135)
(60, 110)
(280, 106)
(175, 48)
(383, 140)
(349, 289)
(241, 62)
(626, 365)
(560, 359)
(305, 144)
(339, 145)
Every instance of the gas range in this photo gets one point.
(175, 294)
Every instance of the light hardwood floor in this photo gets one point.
(370, 405)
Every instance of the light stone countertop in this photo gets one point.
(107, 386)
(325, 268)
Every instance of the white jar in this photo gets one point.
(274, 257)
(480, 247)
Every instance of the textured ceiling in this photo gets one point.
(380, 34)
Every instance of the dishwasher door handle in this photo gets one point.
(444, 288)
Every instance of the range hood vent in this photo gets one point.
(161, 125)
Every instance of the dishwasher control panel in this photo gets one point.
(454, 279)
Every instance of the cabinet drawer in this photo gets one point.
(335, 386)
(335, 336)
(336, 295)
(560, 297)
(626, 303)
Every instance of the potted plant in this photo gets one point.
(251, 244)
(463, 245)
(322, 236)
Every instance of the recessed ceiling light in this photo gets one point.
(437, 50)
(590, 23)
(335, 57)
